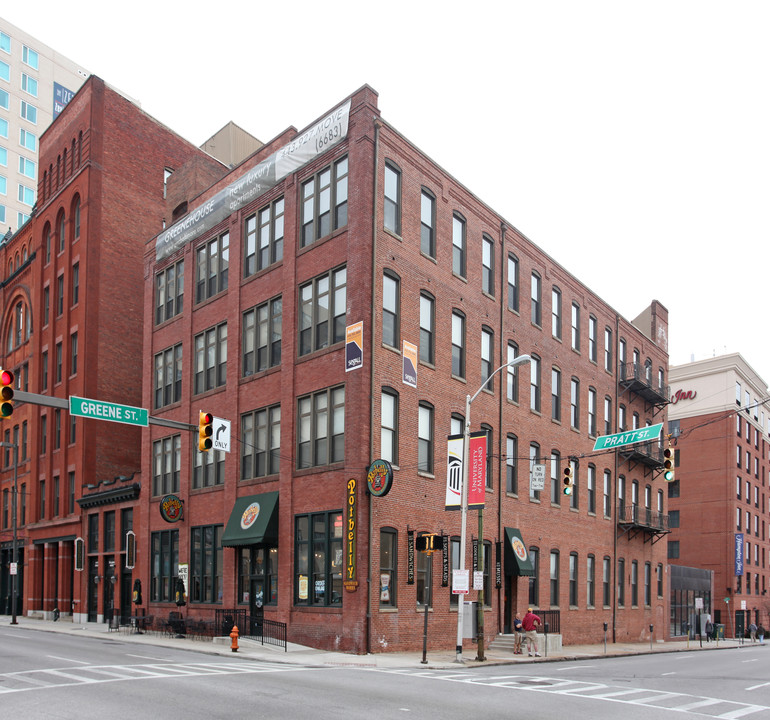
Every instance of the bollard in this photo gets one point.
(234, 639)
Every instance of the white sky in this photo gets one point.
(630, 141)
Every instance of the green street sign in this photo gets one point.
(645, 434)
(100, 410)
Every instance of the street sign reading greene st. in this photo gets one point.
(651, 432)
(100, 410)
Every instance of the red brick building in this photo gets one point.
(72, 319)
(251, 308)
(718, 503)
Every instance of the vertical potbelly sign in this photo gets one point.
(350, 582)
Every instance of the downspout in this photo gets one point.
(371, 379)
(503, 358)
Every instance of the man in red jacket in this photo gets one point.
(531, 622)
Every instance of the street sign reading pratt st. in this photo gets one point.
(651, 432)
(100, 410)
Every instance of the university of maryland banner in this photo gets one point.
(477, 475)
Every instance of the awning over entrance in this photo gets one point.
(253, 521)
(516, 559)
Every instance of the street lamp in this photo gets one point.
(15, 548)
(520, 360)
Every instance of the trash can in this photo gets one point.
(470, 619)
(719, 631)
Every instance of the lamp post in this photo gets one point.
(15, 546)
(520, 360)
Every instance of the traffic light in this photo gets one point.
(668, 464)
(205, 430)
(569, 480)
(6, 408)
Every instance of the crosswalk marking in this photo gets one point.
(660, 700)
(30, 680)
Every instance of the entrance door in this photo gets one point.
(126, 606)
(93, 589)
(256, 606)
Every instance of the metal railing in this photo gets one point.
(642, 517)
(552, 617)
(255, 627)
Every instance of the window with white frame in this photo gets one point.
(321, 428)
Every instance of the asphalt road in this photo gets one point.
(47, 675)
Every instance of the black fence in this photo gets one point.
(254, 627)
(550, 617)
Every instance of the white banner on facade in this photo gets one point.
(454, 472)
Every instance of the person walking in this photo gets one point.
(531, 623)
(518, 634)
(753, 632)
(761, 633)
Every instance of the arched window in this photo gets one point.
(47, 242)
(76, 218)
(61, 226)
(64, 165)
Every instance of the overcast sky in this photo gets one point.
(630, 141)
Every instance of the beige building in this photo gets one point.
(36, 82)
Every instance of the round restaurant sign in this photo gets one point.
(250, 515)
(379, 478)
(171, 508)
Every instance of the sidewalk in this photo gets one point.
(301, 655)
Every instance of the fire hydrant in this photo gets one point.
(234, 639)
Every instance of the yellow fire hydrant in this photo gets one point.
(234, 639)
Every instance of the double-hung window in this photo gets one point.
(392, 199)
(211, 358)
(263, 238)
(458, 245)
(261, 442)
(428, 223)
(390, 309)
(212, 260)
(325, 202)
(427, 324)
(321, 428)
(262, 334)
(322, 308)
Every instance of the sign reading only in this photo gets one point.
(100, 410)
(650, 432)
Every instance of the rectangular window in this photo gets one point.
(389, 427)
(428, 224)
(556, 482)
(427, 324)
(44, 371)
(647, 583)
(634, 583)
(29, 84)
(575, 326)
(27, 167)
(607, 494)
(169, 292)
(425, 438)
(5, 43)
(212, 263)
(166, 465)
(534, 459)
(321, 428)
(29, 57)
(59, 295)
(164, 568)
(575, 403)
(593, 330)
(258, 574)
(264, 238)
(27, 140)
(58, 369)
(556, 312)
(326, 190)
(537, 300)
(607, 415)
(262, 335)
(211, 359)
(513, 283)
(608, 349)
(208, 468)
(573, 579)
(673, 549)
(318, 557)
(606, 581)
(591, 488)
(534, 580)
(488, 265)
(392, 199)
(534, 383)
(26, 195)
(261, 443)
(29, 113)
(573, 499)
(512, 376)
(511, 464)
(93, 533)
(659, 577)
(590, 581)
(622, 581)
(75, 283)
(388, 567)
(73, 353)
(391, 301)
(56, 502)
(109, 531)
(592, 412)
(458, 344)
(71, 493)
(458, 245)
(487, 359)
(205, 581)
(168, 376)
(322, 308)
(554, 578)
(5, 71)
(556, 394)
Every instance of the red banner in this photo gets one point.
(477, 472)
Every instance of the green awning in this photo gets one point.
(253, 521)
(517, 560)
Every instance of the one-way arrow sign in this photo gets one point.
(221, 437)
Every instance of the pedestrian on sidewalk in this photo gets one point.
(753, 632)
(761, 633)
(531, 623)
(518, 634)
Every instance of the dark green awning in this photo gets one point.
(253, 521)
(517, 560)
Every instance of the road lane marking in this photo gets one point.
(66, 659)
(754, 687)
